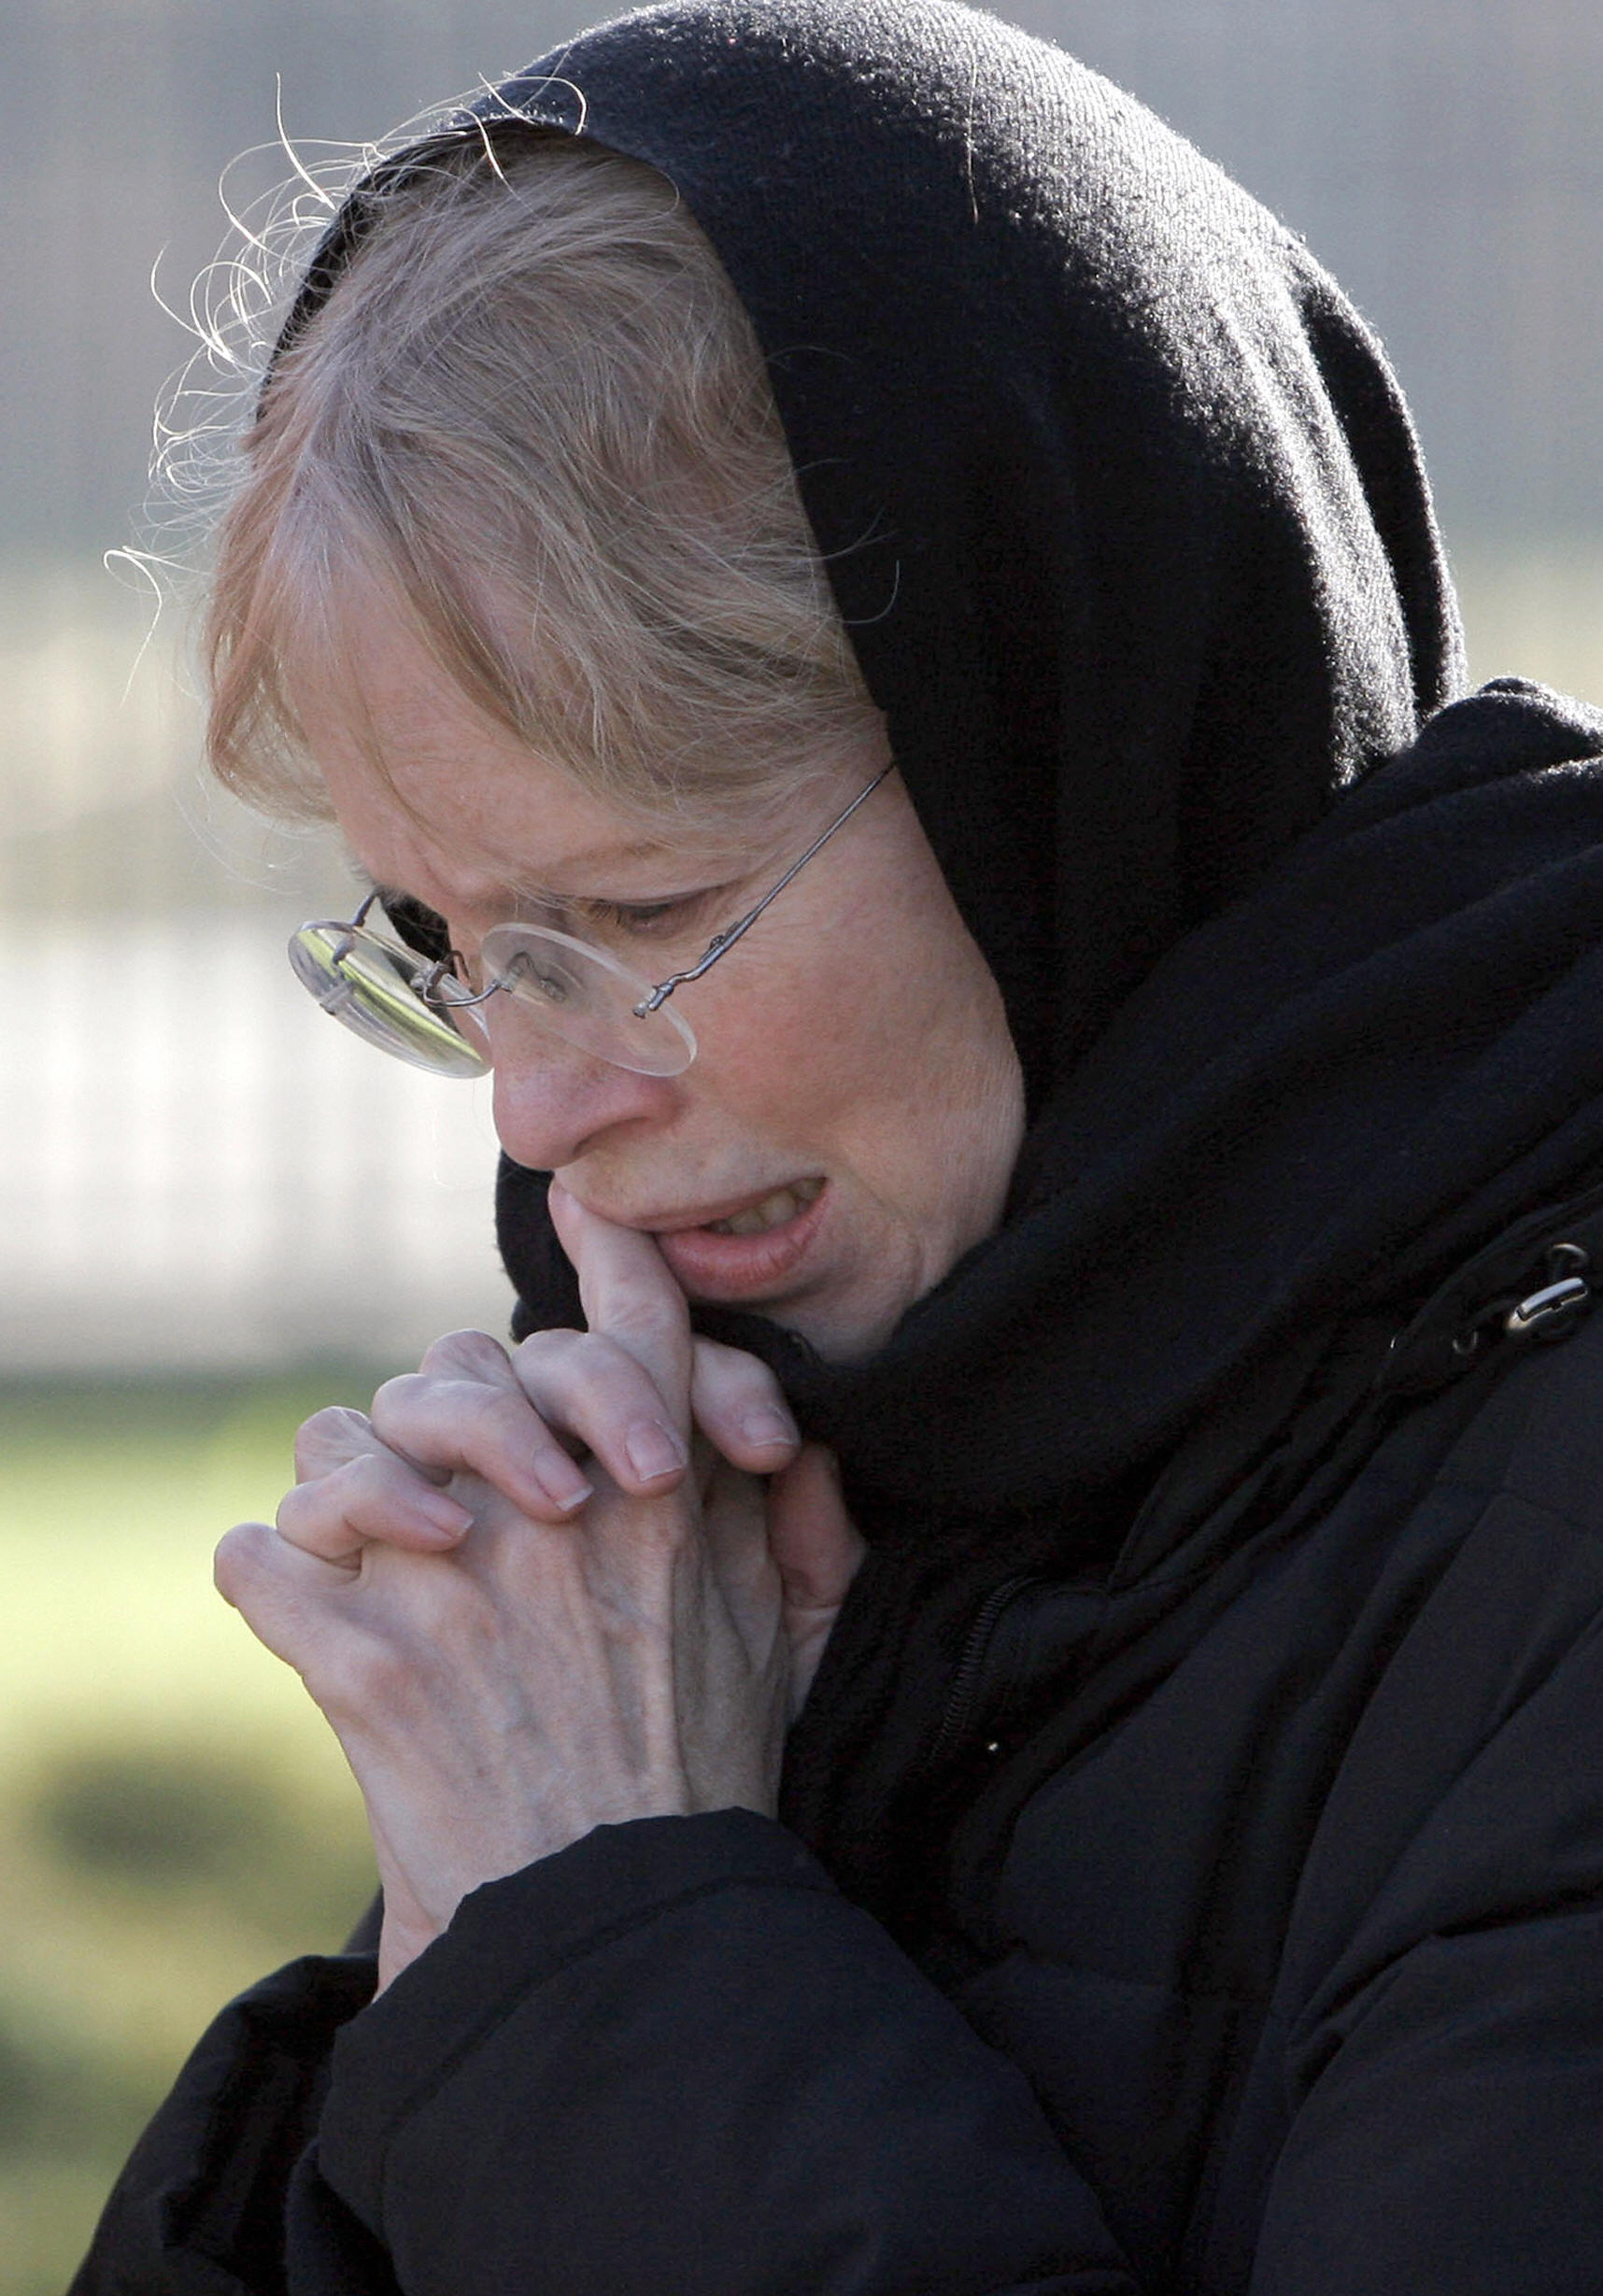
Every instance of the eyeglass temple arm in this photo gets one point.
(722, 943)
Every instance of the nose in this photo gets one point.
(552, 1101)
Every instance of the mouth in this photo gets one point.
(749, 1248)
(772, 1212)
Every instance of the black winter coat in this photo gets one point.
(1287, 1975)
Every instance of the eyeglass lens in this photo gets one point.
(403, 1004)
(373, 987)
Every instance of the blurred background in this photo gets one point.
(217, 1212)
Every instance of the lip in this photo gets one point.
(660, 1224)
(732, 1268)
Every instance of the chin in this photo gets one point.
(839, 1331)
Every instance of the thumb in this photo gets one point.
(816, 1546)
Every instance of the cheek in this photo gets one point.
(778, 1063)
(884, 1053)
(807, 1037)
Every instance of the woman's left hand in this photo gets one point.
(499, 1700)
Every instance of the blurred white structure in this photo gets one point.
(197, 1168)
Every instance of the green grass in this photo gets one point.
(175, 1818)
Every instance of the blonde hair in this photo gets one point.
(533, 415)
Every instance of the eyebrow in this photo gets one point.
(604, 857)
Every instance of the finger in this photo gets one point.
(818, 1551)
(464, 1427)
(596, 1392)
(306, 1612)
(739, 1405)
(816, 1546)
(373, 1498)
(332, 1436)
(629, 1295)
(269, 1583)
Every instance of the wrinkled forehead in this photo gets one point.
(434, 797)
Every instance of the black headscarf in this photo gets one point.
(1127, 520)
(1125, 516)
(1120, 505)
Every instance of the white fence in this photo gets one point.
(198, 1170)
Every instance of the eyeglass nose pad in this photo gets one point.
(445, 993)
(439, 986)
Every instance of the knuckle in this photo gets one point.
(398, 1397)
(503, 1418)
(426, 1407)
(416, 1413)
(297, 1509)
(369, 1480)
(631, 1312)
(332, 1433)
(472, 1353)
(553, 1338)
(572, 1367)
(310, 1508)
(238, 1562)
(360, 1675)
(609, 1364)
(545, 1358)
(500, 1406)
(374, 1671)
(575, 1370)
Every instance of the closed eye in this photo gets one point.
(675, 912)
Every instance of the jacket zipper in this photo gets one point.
(963, 1695)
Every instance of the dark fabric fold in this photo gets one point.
(681, 1985)
(198, 2211)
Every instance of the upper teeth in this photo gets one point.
(773, 1211)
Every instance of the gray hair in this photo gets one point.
(532, 417)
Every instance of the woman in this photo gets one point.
(1135, 1103)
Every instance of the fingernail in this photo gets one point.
(446, 1515)
(655, 1450)
(563, 1483)
(769, 1426)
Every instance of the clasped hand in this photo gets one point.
(514, 1647)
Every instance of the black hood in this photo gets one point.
(1119, 502)
(1125, 516)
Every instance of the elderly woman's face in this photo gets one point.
(851, 1120)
